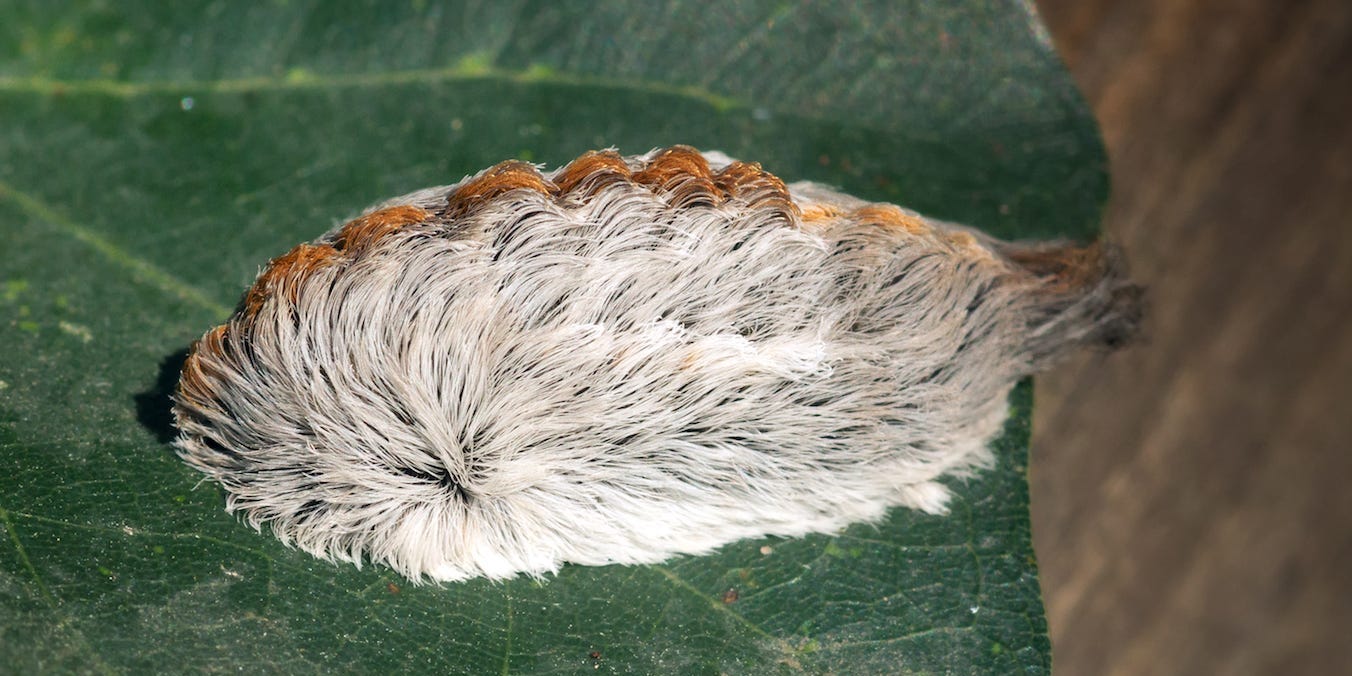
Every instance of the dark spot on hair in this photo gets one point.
(308, 510)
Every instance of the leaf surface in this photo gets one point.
(153, 156)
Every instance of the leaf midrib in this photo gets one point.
(468, 69)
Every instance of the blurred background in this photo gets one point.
(1191, 507)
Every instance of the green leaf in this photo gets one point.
(154, 155)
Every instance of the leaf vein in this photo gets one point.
(719, 607)
(23, 558)
(303, 82)
(139, 267)
(47, 596)
(507, 640)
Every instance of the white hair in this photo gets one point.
(620, 361)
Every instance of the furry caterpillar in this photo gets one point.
(619, 361)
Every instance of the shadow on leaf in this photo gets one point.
(154, 407)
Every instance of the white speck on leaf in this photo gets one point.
(77, 330)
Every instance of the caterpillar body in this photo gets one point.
(622, 360)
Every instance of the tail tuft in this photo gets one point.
(1084, 298)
